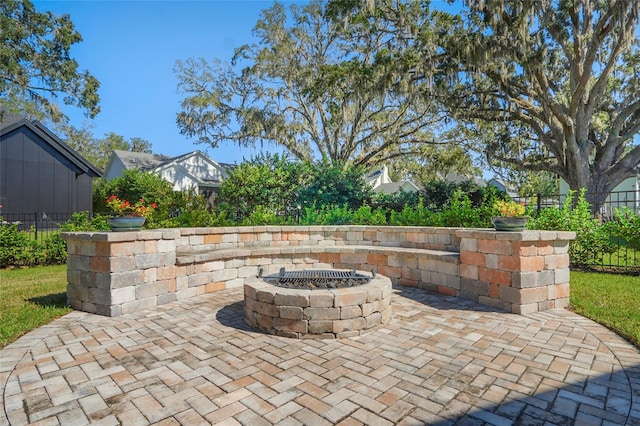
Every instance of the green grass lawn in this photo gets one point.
(30, 298)
(33, 297)
(610, 299)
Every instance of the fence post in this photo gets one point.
(539, 203)
(35, 217)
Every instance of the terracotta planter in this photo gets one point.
(126, 223)
(504, 223)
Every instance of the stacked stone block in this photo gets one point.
(117, 273)
(520, 272)
(317, 314)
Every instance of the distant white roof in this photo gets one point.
(381, 182)
(184, 170)
(140, 160)
(393, 187)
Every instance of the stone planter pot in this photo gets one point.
(126, 223)
(504, 223)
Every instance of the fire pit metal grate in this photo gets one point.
(317, 278)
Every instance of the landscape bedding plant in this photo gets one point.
(125, 208)
(509, 208)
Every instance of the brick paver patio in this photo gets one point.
(441, 361)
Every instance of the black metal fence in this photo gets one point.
(39, 224)
(624, 255)
(612, 201)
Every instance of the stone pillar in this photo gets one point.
(520, 272)
(114, 273)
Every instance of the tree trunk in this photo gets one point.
(597, 188)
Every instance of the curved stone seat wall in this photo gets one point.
(118, 273)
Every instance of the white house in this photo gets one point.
(626, 194)
(381, 182)
(193, 171)
(119, 161)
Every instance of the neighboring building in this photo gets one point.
(193, 171)
(119, 161)
(39, 173)
(381, 183)
(504, 187)
(458, 179)
(393, 187)
(378, 177)
(625, 194)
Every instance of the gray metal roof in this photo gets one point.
(146, 161)
(393, 187)
(13, 122)
(140, 160)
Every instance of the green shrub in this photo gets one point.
(397, 201)
(80, 222)
(592, 240)
(14, 246)
(333, 184)
(365, 216)
(415, 216)
(268, 180)
(134, 185)
(263, 216)
(55, 250)
(626, 225)
(327, 215)
(459, 212)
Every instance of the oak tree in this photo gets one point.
(545, 85)
(308, 85)
(35, 61)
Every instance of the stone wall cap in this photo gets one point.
(104, 236)
(527, 235)
(314, 228)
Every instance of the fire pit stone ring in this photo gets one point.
(320, 313)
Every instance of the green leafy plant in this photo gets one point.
(14, 245)
(55, 250)
(80, 221)
(327, 215)
(333, 184)
(460, 212)
(592, 240)
(135, 185)
(263, 216)
(366, 216)
(417, 215)
(124, 208)
(270, 181)
(626, 225)
(508, 208)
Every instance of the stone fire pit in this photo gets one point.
(321, 304)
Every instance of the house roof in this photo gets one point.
(393, 187)
(140, 160)
(148, 161)
(11, 122)
(458, 178)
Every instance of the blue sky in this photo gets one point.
(131, 48)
